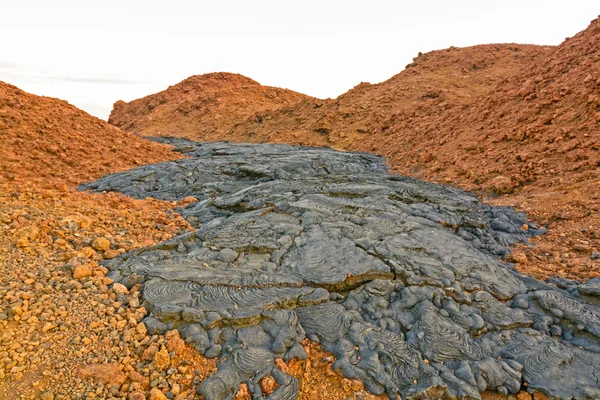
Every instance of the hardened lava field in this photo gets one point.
(399, 278)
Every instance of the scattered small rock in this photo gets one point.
(518, 257)
(502, 185)
(176, 344)
(120, 288)
(101, 244)
(107, 374)
(162, 360)
(523, 396)
(156, 394)
(82, 271)
(228, 255)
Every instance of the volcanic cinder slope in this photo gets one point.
(536, 127)
(534, 139)
(426, 90)
(51, 142)
(202, 107)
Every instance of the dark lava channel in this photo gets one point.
(399, 278)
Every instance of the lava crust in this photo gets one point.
(399, 278)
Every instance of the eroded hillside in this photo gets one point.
(51, 142)
(426, 90)
(202, 107)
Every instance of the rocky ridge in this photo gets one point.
(426, 90)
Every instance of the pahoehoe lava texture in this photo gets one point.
(400, 279)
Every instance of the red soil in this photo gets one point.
(202, 106)
(50, 142)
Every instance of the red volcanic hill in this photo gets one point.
(537, 127)
(202, 107)
(534, 138)
(427, 90)
(50, 142)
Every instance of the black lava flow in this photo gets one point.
(400, 279)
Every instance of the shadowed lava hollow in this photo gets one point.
(399, 278)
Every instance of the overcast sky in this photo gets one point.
(92, 53)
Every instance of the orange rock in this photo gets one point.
(61, 243)
(523, 396)
(30, 233)
(279, 363)
(518, 257)
(346, 384)
(268, 384)
(5, 219)
(156, 394)
(101, 244)
(243, 392)
(172, 333)
(176, 344)
(501, 185)
(82, 271)
(162, 360)
(108, 374)
(108, 254)
(120, 288)
(23, 242)
(88, 252)
(188, 200)
(76, 222)
(137, 377)
(150, 352)
(141, 328)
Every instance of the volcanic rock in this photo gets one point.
(162, 360)
(108, 374)
(82, 271)
(156, 394)
(398, 278)
(101, 244)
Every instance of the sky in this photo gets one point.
(93, 53)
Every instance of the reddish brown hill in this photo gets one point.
(50, 142)
(427, 89)
(536, 137)
(537, 127)
(202, 107)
